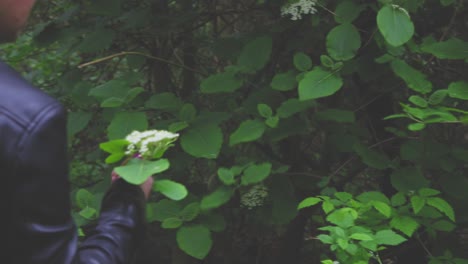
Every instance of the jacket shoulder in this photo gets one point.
(20, 101)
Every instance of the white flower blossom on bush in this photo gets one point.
(150, 143)
(301, 7)
(255, 197)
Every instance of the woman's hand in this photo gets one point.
(145, 187)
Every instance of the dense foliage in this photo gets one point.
(310, 131)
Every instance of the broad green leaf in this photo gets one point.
(326, 239)
(347, 11)
(217, 198)
(172, 223)
(195, 240)
(247, 131)
(443, 225)
(272, 121)
(178, 126)
(368, 197)
(124, 123)
(383, 208)
(190, 211)
(441, 205)
(318, 83)
(77, 121)
(438, 97)
(395, 25)
(389, 237)
(343, 217)
(372, 158)
(361, 237)
(342, 243)
(405, 224)
(343, 42)
(412, 77)
(133, 93)
(418, 101)
(407, 179)
(202, 141)
(337, 115)
(116, 148)
(162, 210)
(453, 48)
(98, 40)
(164, 101)
(326, 61)
(458, 90)
(284, 81)
(398, 199)
(283, 200)
(256, 173)
(327, 206)
(264, 110)
(417, 203)
(427, 192)
(225, 82)
(113, 88)
(255, 54)
(137, 171)
(88, 213)
(311, 201)
(172, 190)
(226, 176)
(293, 106)
(416, 126)
(302, 61)
(343, 196)
(187, 113)
(84, 198)
(112, 102)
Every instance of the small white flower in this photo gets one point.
(301, 7)
(150, 143)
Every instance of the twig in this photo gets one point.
(126, 53)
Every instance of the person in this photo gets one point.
(36, 208)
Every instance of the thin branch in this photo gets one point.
(126, 53)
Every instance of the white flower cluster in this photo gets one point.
(255, 197)
(301, 7)
(150, 143)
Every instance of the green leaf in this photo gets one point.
(178, 126)
(447, 2)
(398, 199)
(247, 131)
(256, 173)
(226, 176)
(416, 126)
(88, 213)
(284, 81)
(264, 110)
(327, 206)
(427, 192)
(389, 237)
(124, 123)
(368, 197)
(172, 190)
(112, 102)
(137, 171)
(255, 54)
(98, 40)
(405, 224)
(443, 225)
(133, 93)
(112, 88)
(326, 61)
(202, 141)
(438, 97)
(217, 198)
(383, 208)
(343, 42)
(343, 217)
(337, 115)
(190, 212)
(395, 25)
(194, 240)
(302, 61)
(164, 101)
(413, 78)
(417, 203)
(408, 179)
(361, 237)
(163, 209)
(272, 121)
(77, 121)
(84, 198)
(418, 101)
(347, 11)
(372, 158)
(225, 82)
(453, 48)
(172, 223)
(318, 83)
(308, 202)
(116, 148)
(293, 106)
(458, 90)
(187, 113)
(214, 222)
(441, 205)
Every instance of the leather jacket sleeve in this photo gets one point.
(44, 231)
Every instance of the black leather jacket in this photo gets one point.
(35, 203)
